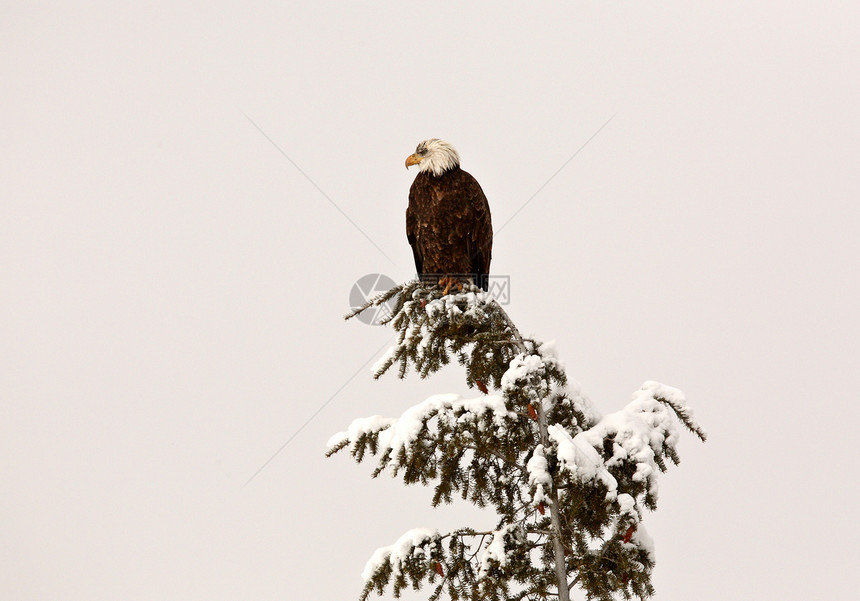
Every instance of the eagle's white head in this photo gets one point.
(434, 155)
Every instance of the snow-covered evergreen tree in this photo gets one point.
(568, 486)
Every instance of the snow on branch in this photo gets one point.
(471, 446)
(409, 559)
(464, 559)
(642, 434)
(410, 546)
(497, 551)
(540, 480)
(399, 435)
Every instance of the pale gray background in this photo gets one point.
(172, 286)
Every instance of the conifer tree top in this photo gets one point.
(568, 486)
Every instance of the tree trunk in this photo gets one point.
(557, 547)
(555, 520)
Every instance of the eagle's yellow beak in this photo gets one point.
(412, 159)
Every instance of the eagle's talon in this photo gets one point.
(448, 283)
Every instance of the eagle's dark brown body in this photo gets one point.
(448, 226)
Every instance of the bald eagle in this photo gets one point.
(448, 219)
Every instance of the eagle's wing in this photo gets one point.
(480, 238)
(412, 232)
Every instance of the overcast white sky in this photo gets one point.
(173, 285)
